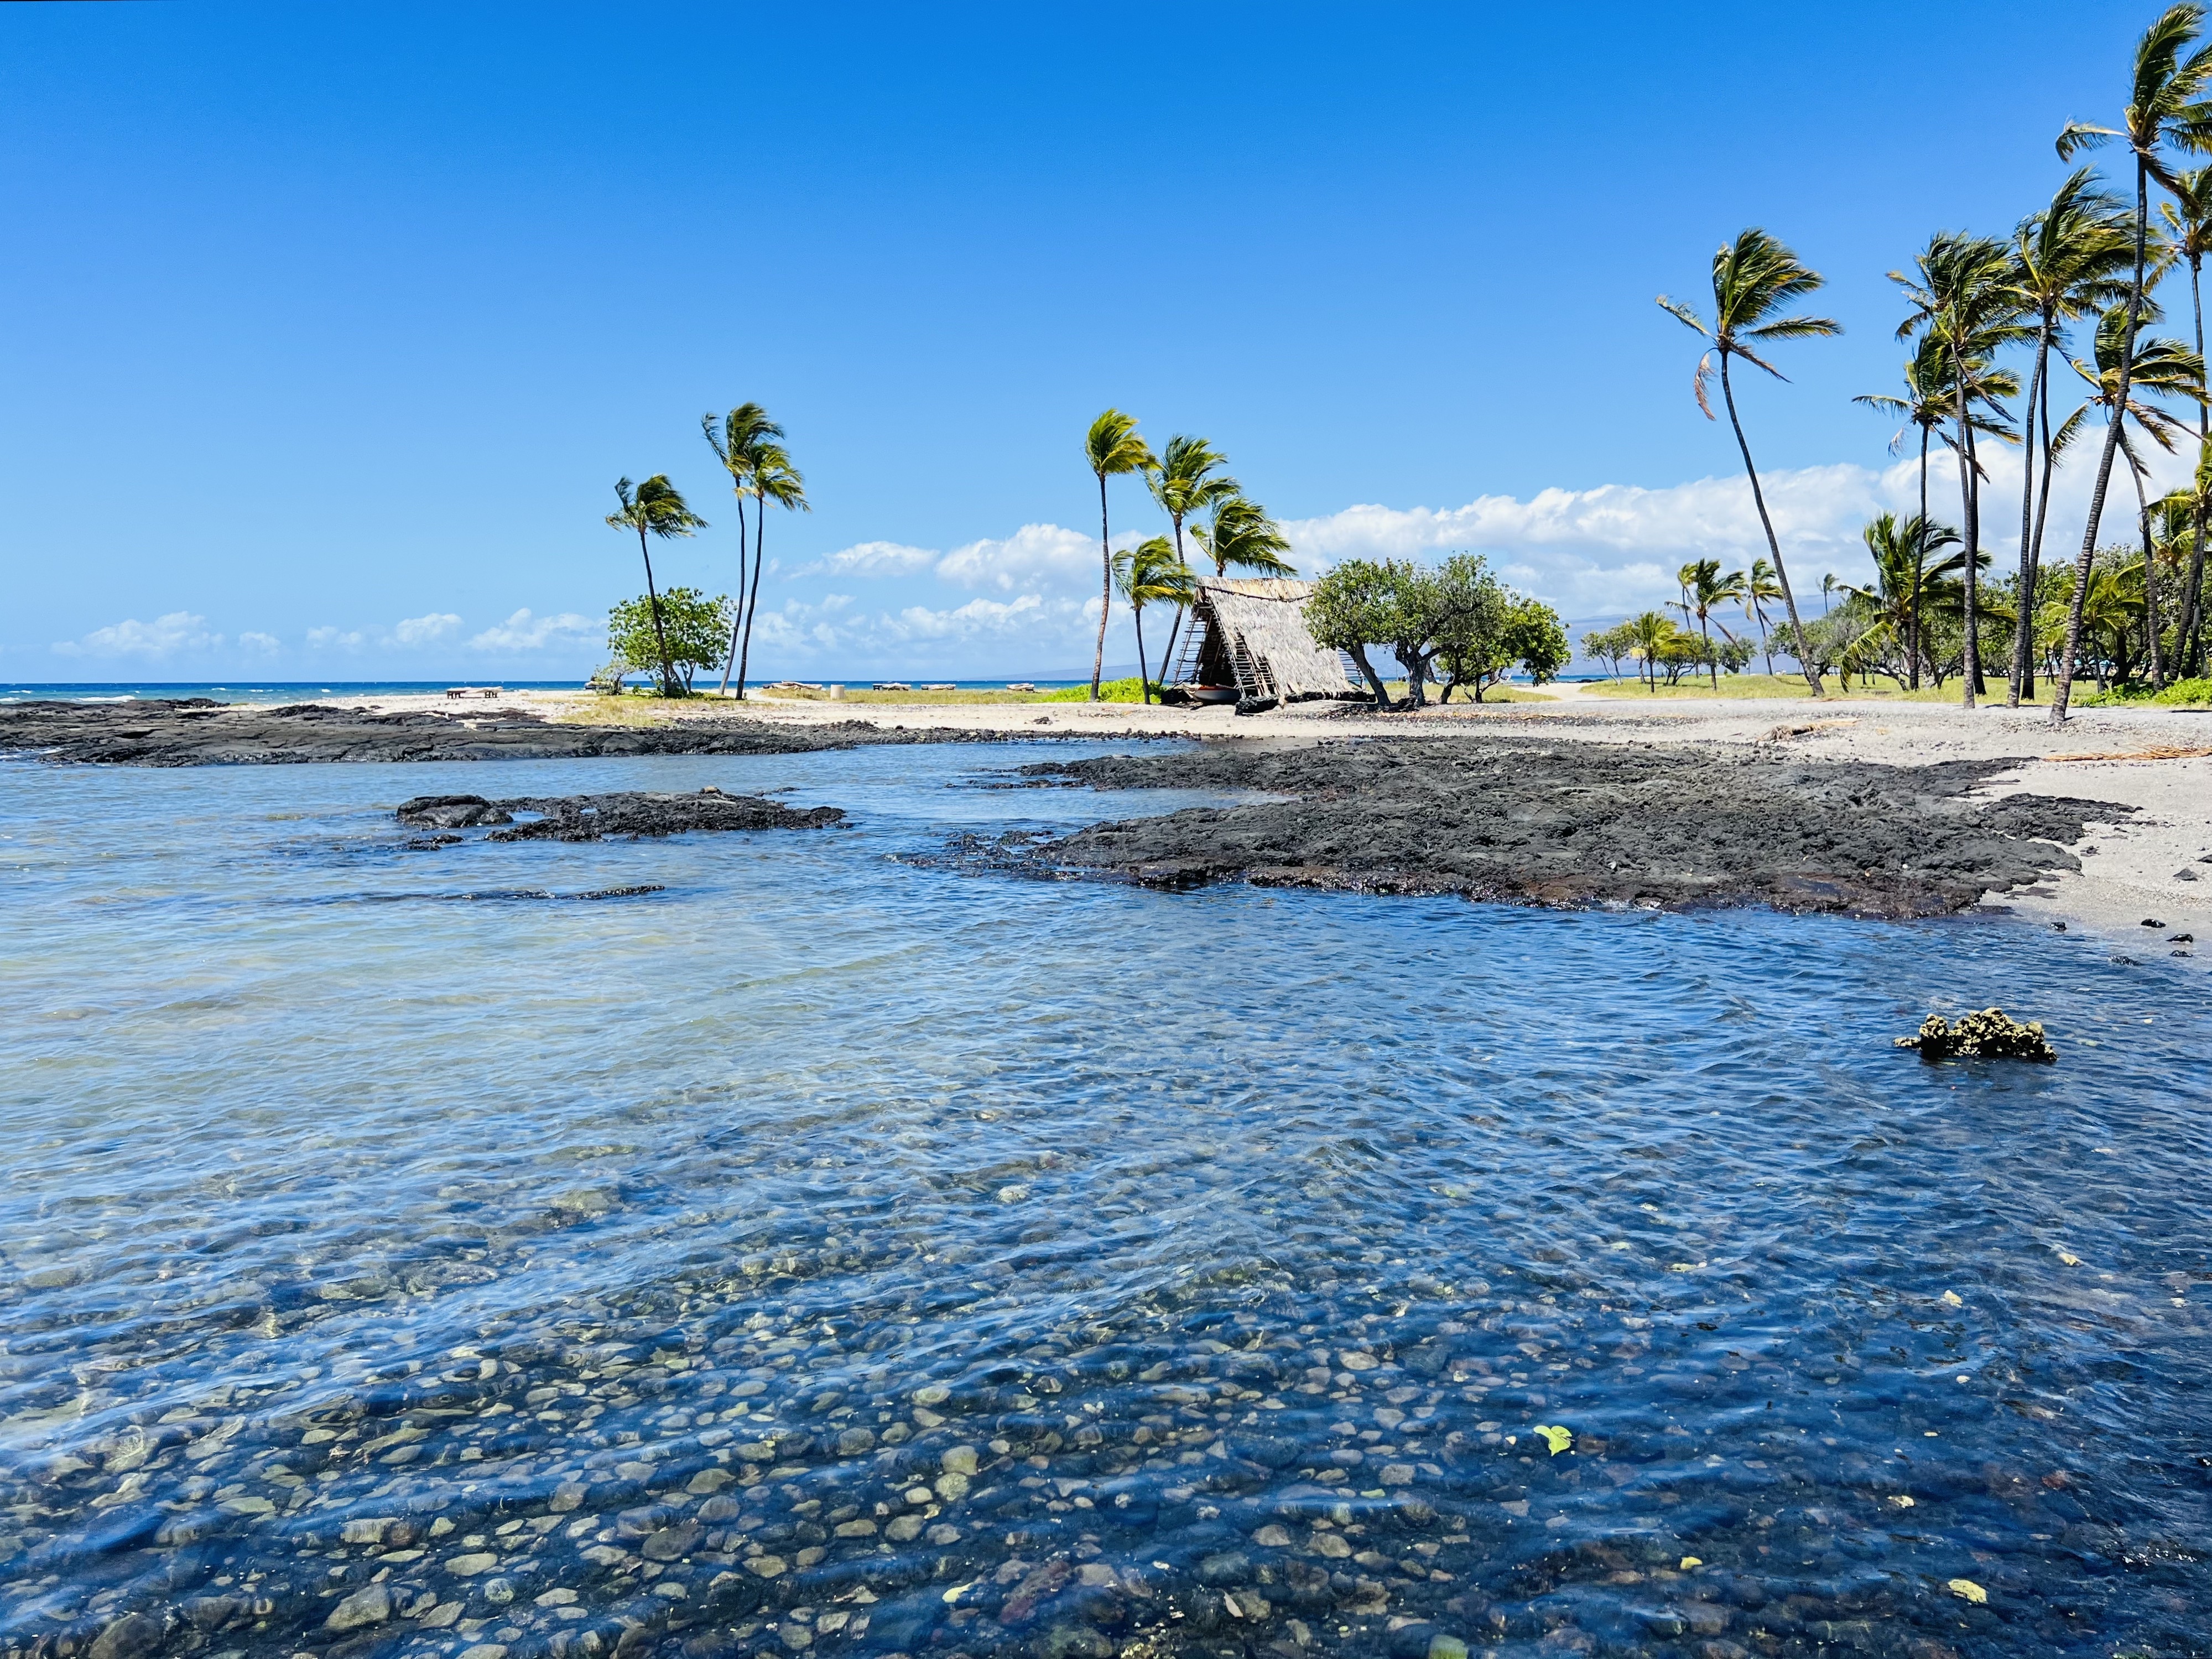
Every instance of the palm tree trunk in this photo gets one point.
(2150, 567)
(1759, 499)
(2023, 624)
(2042, 514)
(737, 615)
(1919, 564)
(1167, 657)
(659, 633)
(2190, 642)
(1106, 591)
(1971, 666)
(752, 602)
(2064, 689)
(1144, 677)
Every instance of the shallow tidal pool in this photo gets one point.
(840, 1249)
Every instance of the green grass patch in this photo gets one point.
(1793, 685)
(2182, 694)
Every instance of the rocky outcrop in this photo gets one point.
(1990, 1034)
(595, 817)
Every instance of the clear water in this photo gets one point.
(842, 1251)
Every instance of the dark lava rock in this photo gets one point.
(451, 812)
(1580, 823)
(200, 731)
(1988, 1035)
(594, 817)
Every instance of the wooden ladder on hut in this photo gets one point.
(1253, 678)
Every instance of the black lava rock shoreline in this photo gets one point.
(200, 731)
(1580, 823)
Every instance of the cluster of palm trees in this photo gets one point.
(751, 448)
(1232, 530)
(2087, 257)
(1657, 641)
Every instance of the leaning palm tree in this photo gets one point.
(655, 507)
(736, 441)
(1755, 277)
(1112, 447)
(2071, 260)
(1184, 481)
(1758, 589)
(1240, 536)
(773, 479)
(1647, 634)
(1704, 588)
(1151, 573)
(2189, 226)
(2166, 106)
(1964, 294)
(2157, 368)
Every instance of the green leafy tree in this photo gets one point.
(1755, 278)
(1759, 587)
(691, 631)
(1610, 646)
(2166, 106)
(655, 507)
(1353, 607)
(1112, 448)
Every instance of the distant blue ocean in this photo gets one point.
(280, 691)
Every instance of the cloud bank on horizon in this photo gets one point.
(1026, 605)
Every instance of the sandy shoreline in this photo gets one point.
(2132, 871)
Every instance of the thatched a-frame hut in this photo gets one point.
(1248, 643)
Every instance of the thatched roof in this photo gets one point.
(1266, 616)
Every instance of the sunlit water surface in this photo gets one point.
(838, 1252)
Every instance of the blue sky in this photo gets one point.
(329, 328)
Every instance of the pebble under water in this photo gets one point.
(819, 1246)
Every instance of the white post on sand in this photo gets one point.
(837, 694)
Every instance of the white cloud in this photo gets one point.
(180, 630)
(1036, 557)
(1030, 616)
(524, 632)
(878, 559)
(1617, 547)
(266, 644)
(346, 639)
(427, 629)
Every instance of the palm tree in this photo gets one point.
(2164, 106)
(773, 479)
(1758, 589)
(741, 434)
(1183, 482)
(2070, 258)
(2189, 223)
(656, 507)
(1755, 277)
(1240, 536)
(2192, 502)
(1647, 634)
(1704, 588)
(2161, 369)
(1112, 446)
(1152, 572)
(1904, 582)
(1964, 294)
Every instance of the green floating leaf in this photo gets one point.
(1557, 1439)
